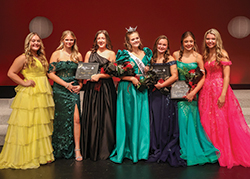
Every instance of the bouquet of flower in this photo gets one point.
(192, 76)
(115, 70)
(148, 80)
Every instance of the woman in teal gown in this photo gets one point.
(62, 69)
(196, 147)
(132, 126)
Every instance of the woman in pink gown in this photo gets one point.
(220, 111)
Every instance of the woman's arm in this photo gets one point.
(77, 88)
(15, 68)
(190, 96)
(226, 79)
(54, 77)
(96, 77)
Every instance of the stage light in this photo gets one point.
(42, 26)
(239, 27)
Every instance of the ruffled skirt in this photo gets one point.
(28, 139)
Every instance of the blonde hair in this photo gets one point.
(108, 41)
(166, 53)
(30, 61)
(127, 44)
(219, 46)
(74, 48)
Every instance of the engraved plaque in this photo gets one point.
(86, 70)
(179, 89)
(162, 70)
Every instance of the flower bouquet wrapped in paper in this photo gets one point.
(192, 76)
(115, 70)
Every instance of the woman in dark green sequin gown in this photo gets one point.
(63, 65)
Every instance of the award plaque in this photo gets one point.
(162, 70)
(86, 70)
(179, 89)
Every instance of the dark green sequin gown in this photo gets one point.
(65, 101)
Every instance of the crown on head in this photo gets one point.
(131, 29)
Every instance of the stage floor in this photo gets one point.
(87, 169)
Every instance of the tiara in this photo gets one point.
(131, 29)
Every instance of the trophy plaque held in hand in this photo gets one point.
(179, 90)
(162, 70)
(86, 70)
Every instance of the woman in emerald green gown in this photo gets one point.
(196, 147)
(132, 126)
(62, 69)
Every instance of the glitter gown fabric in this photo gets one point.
(132, 128)
(226, 126)
(196, 147)
(65, 101)
(99, 115)
(28, 139)
(164, 128)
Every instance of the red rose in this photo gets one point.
(129, 66)
(102, 70)
(161, 80)
(191, 71)
(115, 64)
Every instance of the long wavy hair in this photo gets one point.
(108, 41)
(219, 46)
(74, 48)
(166, 53)
(185, 35)
(30, 61)
(127, 44)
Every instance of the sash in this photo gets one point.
(139, 63)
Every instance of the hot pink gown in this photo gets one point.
(226, 127)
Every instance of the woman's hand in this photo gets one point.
(29, 83)
(135, 81)
(76, 89)
(146, 69)
(70, 87)
(95, 78)
(190, 96)
(221, 101)
(158, 85)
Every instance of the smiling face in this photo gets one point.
(188, 43)
(134, 40)
(68, 41)
(101, 40)
(35, 43)
(162, 45)
(211, 41)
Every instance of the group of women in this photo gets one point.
(131, 124)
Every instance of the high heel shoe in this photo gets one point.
(79, 158)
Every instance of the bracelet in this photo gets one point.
(67, 86)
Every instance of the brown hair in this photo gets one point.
(185, 35)
(155, 54)
(108, 41)
(127, 39)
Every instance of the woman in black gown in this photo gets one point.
(164, 130)
(99, 103)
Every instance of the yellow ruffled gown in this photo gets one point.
(28, 139)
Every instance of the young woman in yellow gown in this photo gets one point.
(28, 139)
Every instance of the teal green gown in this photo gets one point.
(196, 147)
(132, 126)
